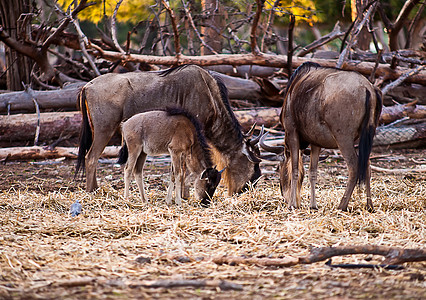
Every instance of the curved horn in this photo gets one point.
(250, 132)
(255, 140)
(250, 155)
(273, 149)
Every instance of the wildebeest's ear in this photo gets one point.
(206, 172)
(249, 153)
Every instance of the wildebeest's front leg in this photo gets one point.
(171, 186)
(313, 172)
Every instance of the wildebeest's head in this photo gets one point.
(243, 168)
(206, 185)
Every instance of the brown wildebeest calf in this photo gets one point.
(109, 99)
(327, 108)
(175, 132)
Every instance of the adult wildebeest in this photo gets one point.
(175, 132)
(327, 108)
(111, 98)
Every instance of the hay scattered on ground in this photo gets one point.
(117, 243)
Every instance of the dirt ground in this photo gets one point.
(120, 249)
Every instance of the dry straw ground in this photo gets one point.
(116, 248)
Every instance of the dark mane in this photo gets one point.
(166, 72)
(225, 100)
(301, 70)
(178, 111)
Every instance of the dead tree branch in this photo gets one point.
(253, 36)
(393, 256)
(191, 22)
(114, 29)
(355, 32)
(334, 34)
(221, 284)
(174, 26)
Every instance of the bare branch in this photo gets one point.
(174, 26)
(269, 23)
(253, 43)
(83, 42)
(336, 33)
(114, 29)
(191, 21)
(355, 32)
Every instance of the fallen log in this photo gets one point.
(257, 90)
(245, 71)
(20, 129)
(399, 111)
(37, 152)
(262, 59)
(62, 99)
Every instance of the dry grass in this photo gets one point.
(43, 249)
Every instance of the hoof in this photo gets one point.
(205, 203)
(370, 209)
(343, 208)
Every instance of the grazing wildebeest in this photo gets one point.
(111, 98)
(175, 132)
(327, 108)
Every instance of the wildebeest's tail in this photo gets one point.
(123, 155)
(85, 134)
(368, 131)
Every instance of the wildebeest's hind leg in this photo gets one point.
(297, 172)
(179, 167)
(99, 143)
(351, 159)
(313, 172)
(138, 171)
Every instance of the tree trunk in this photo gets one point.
(211, 10)
(18, 66)
(357, 7)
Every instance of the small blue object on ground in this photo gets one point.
(75, 209)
